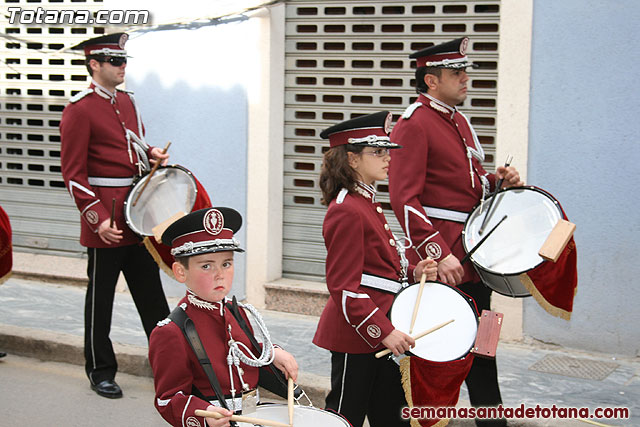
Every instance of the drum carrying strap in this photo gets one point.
(184, 322)
(270, 377)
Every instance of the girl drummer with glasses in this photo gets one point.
(365, 268)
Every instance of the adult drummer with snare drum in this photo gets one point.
(438, 178)
(102, 150)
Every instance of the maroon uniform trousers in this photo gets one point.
(435, 181)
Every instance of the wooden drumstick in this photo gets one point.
(290, 400)
(113, 212)
(417, 337)
(423, 279)
(494, 196)
(240, 419)
(153, 170)
(468, 255)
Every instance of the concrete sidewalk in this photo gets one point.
(44, 319)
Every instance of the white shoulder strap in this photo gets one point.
(78, 96)
(341, 195)
(410, 110)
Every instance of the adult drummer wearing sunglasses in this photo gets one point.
(102, 150)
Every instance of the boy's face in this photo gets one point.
(209, 276)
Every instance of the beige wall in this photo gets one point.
(265, 156)
(514, 70)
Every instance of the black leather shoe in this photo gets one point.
(107, 388)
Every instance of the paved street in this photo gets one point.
(44, 321)
(53, 394)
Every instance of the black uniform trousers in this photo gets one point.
(482, 380)
(143, 279)
(363, 385)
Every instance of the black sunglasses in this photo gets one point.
(116, 61)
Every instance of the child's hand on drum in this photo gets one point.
(428, 267)
(286, 363)
(398, 342)
(219, 422)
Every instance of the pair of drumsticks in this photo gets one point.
(423, 280)
(259, 421)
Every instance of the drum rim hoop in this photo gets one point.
(127, 199)
(334, 415)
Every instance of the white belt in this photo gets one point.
(446, 214)
(381, 283)
(110, 182)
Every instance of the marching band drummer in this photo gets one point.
(203, 246)
(365, 268)
(438, 178)
(102, 149)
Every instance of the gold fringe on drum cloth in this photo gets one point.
(157, 258)
(5, 277)
(548, 307)
(405, 370)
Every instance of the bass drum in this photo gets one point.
(306, 416)
(439, 303)
(512, 249)
(172, 189)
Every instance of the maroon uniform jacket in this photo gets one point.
(94, 144)
(6, 247)
(363, 273)
(433, 170)
(176, 369)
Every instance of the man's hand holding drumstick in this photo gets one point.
(159, 155)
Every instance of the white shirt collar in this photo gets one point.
(104, 92)
(368, 191)
(439, 105)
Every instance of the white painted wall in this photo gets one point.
(193, 87)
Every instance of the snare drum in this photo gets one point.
(306, 416)
(439, 303)
(172, 189)
(513, 248)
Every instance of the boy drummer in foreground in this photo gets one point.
(203, 246)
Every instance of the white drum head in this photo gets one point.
(439, 303)
(171, 190)
(513, 247)
(306, 416)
